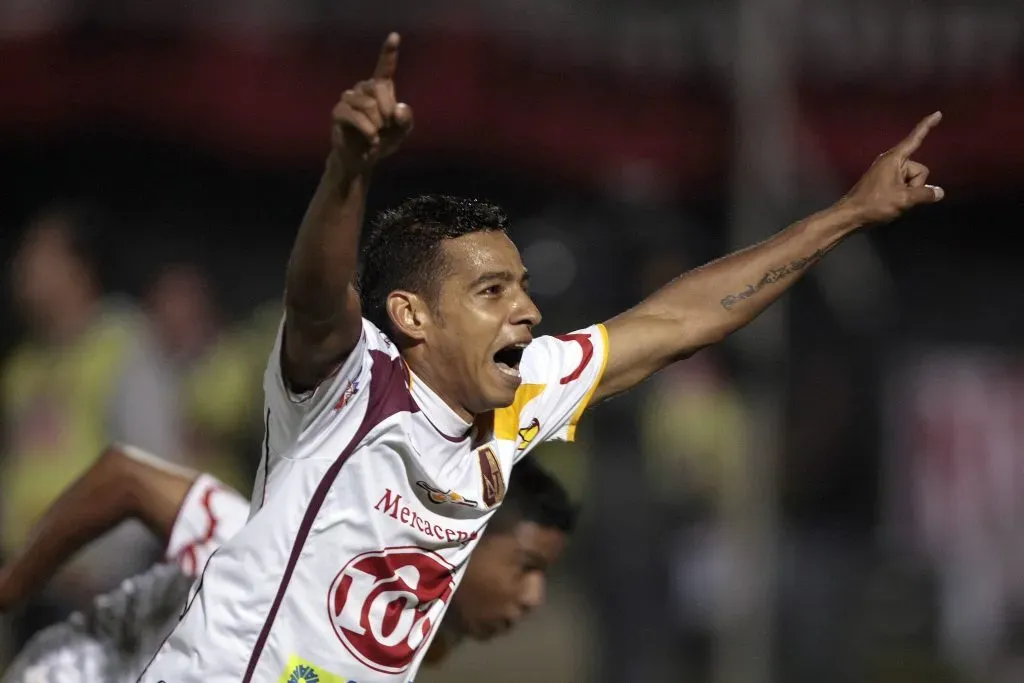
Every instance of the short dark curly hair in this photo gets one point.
(402, 248)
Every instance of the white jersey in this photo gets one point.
(115, 639)
(370, 498)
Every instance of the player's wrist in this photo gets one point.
(343, 171)
(838, 221)
(849, 215)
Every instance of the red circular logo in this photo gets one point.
(384, 604)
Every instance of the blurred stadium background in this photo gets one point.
(835, 495)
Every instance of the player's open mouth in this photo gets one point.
(507, 359)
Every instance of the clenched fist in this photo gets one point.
(895, 183)
(368, 122)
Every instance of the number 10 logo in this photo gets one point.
(385, 604)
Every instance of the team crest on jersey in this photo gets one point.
(493, 479)
(439, 497)
(346, 396)
(527, 434)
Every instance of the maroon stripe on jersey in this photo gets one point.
(389, 395)
(266, 456)
(453, 439)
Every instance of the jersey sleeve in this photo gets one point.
(560, 374)
(210, 515)
(290, 414)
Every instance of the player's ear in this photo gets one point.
(409, 314)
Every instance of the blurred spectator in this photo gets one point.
(692, 428)
(216, 386)
(183, 313)
(209, 383)
(85, 374)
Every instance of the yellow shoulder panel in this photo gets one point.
(506, 420)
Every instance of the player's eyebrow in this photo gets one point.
(501, 276)
(534, 558)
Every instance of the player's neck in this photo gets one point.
(438, 386)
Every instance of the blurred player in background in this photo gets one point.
(116, 637)
(193, 514)
(410, 368)
(507, 577)
(86, 373)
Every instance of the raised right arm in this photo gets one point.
(323, 319)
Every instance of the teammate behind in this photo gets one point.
(193, 514)
(419, 372)
(507, 576)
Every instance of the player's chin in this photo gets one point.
(492, 629)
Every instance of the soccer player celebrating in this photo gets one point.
(400, 394)
(193, 514)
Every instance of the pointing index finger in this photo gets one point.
(910, 144)
(388, 60)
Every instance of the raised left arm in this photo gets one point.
(705, 305)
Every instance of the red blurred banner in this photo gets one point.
(473, 96)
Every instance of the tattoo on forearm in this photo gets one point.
(771, 277)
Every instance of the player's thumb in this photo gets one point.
(403, 117)
(926, 194)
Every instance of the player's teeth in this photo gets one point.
(513, 372)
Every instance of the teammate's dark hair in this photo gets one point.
(402, 248)
(535, 496)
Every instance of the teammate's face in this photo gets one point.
(506, 579)
(484, 320)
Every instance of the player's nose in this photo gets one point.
(525, 311)
(533, 593)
